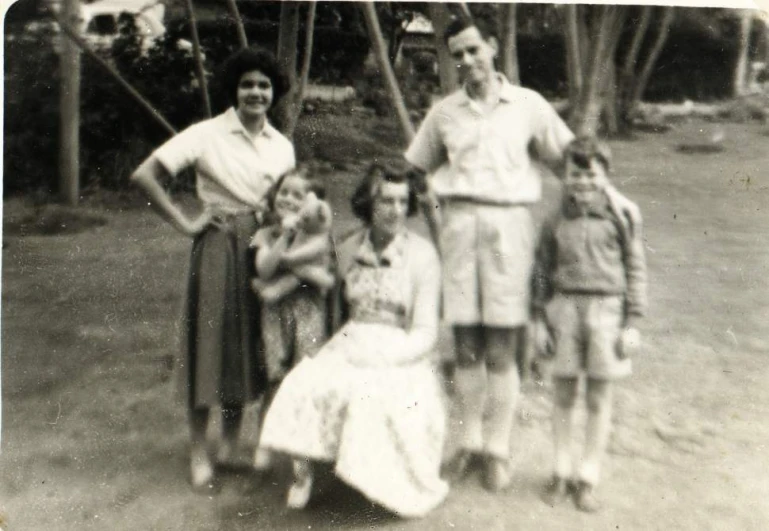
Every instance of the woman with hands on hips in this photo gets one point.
(236, 156)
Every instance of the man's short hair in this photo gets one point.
(583, 149)
(460, 24)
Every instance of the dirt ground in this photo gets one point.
(95, 438)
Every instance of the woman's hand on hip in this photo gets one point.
(196, 226)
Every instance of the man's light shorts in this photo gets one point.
(586, 331)
(487, 253)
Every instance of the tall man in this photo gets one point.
(477, 145)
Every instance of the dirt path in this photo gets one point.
(93, 437)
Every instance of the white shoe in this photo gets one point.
(299, 493)
(301, 488)
(262, 459)
(201, 470)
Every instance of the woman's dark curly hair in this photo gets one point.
(362, 201)
(248, 60)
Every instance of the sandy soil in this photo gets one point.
(94, 437)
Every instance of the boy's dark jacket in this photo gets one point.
(596, 248)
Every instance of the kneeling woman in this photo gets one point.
(371, 401)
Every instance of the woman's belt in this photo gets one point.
(480, 201)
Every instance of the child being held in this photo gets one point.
(589, 291)
(293, 264)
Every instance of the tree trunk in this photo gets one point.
(295, 108)
(239, 28)
(646, 71)
(573, 55)
(509, 43)
(288, 38)
(200, 72)
(75, 38)
(600, 71)
(739, 82)
(626, 78)
(611, 118)
(440, 16)
(380, 49)
(69, 109)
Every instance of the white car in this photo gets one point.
(99, 23)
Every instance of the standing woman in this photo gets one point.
(237, 156)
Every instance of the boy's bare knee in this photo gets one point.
(565, 392)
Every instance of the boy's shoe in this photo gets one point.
(557, 490)
(201, 470)
(262, 459)
(585, 499)
(497, 474)
(458, 466)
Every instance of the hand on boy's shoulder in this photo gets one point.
(626, 210)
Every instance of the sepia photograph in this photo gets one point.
(301, 265)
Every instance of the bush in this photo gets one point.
(116, 133)
(31, 126)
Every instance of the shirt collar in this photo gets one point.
(505, 91)
(233, 125)
(599, 207)
(391, 256)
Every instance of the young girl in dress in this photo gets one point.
(293, 324)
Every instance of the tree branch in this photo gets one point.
(651, 59)
(375, 34)
(239, 28)
(73, 35)
(304, 73)
(200, 71)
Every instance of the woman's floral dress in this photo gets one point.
(363, 402)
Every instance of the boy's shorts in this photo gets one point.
(586, 332)
(487, 253)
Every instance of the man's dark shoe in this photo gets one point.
(497, 473)
(557, 491)
(457, 468)
(585, 499)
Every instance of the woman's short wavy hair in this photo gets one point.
(362, 201)
(250, 59)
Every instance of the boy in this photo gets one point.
(589, 290)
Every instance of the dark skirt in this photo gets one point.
(221, 333)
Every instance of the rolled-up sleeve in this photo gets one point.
(551, 134)
(182, 150)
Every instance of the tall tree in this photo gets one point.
(288, 39)
(509, 42)
(440, 17)
(600, 94)
(380, 50)
(741, 67)
(69, 102)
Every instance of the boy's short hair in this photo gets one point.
(583, 149)
(314, 185)
(460, 24)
